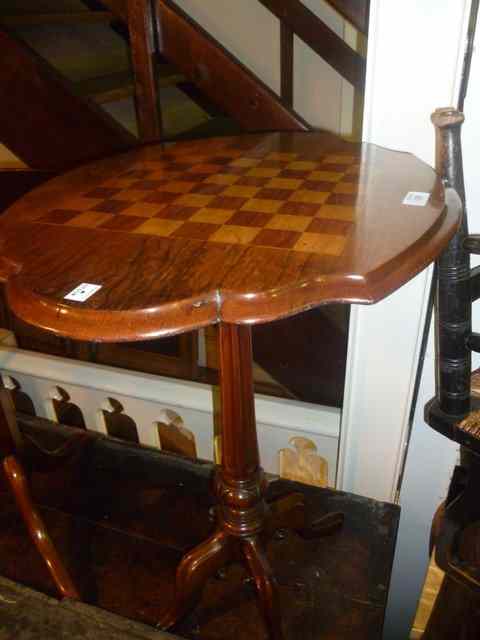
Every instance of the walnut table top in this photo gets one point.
(242, 230)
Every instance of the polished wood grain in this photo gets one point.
(245, 230)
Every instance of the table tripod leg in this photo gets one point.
(266, 585)
(240, 481)
(193, 571)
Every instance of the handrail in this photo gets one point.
(296, 19)
(325, 42)
(223, 78)
(354, 11)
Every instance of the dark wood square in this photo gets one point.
(334, 227)
(111, 206)
(227, 202)
(274, 194)
(208, 189)
(146, 185)
(300, 208)
(138, 174)
(197, 230)
(102, 193)
(345, 199)
(122, 223)
(319, 186)
(277, 238)
(59, 216)
(176, 212)
(249, 219)
(161, 197)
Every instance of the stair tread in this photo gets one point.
(40, 6)
(179, 113)
(78, 52)
(54, 17)
(118, 85)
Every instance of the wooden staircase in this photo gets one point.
(155, 74)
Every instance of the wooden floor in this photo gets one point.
(125, 540)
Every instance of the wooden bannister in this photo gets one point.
(325, 42)
(220, 76)
(230, 85)
(43, 122)
(355, 11)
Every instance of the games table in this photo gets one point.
(232, 232)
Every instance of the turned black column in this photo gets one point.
(453, 306)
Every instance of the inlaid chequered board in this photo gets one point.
(269, 199)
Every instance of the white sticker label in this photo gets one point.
(416, 198)
(83, 292)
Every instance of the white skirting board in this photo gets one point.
(145, 398)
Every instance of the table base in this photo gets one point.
(244, 518)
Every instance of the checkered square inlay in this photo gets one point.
(278, 200)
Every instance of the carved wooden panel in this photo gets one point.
(303, 464)
(66, 412)
(174, 436)
(21, 400)
(117, 423)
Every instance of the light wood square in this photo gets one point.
(263, 172)
(302, 165)
(89, 219)
(234, 234)
(244, 162)
(223, 178)
(143, 209)
(194, 200)
(241, 191)
(285, 157)
(325, 176)
(290, 223)
(79, 203)
(337, 212)
(345, 187)
(284, 183)
(311, 197)
(320, 243)
(213, 216)
(263, 206)
(159, 227)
